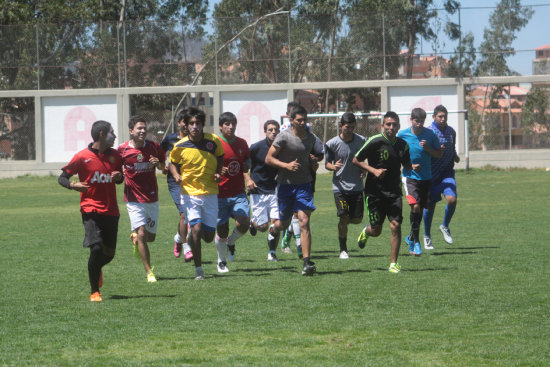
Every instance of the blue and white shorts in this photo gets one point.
(236, 206)
(201, 209)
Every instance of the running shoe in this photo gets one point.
(177, 249)
(417, 249)
(287, 250)
(188, 256)
(222, 267)
(394, 268)
(231, 253)
(272, 257)
(446, 234)
(363, 238)
(133, 240)
(428, 243)
(95, 297)
(199, 274)
(409, 242)
(100, 279)
(309, 268)
(151, 276)
(344, 255)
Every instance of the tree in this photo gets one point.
(505, 21)
(535, 117)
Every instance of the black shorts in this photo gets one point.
(100, 228)
(417, 191)
(351, 204)
(380, 207)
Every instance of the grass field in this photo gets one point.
(483, 301)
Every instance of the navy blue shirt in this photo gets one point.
(168, 144)
(262, 174)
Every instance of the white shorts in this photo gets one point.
(201, 209)
(264, 208)
(144, 214)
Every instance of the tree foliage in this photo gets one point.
(535, 117)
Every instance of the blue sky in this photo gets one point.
(534, 35)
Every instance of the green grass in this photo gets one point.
(482, 302)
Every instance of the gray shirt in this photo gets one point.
(347, 178)
(292, 148)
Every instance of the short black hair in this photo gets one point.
(271, 122)
(191, 112)
(418, 114)
(348, 118)
(135, 119)
(440, 108)
(298, 110)
(290, 106)
(179, 116)
(391, 115)
(227, 117)
(98, 127)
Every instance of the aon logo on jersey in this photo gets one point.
(101, 178)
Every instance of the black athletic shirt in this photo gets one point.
(382, 153)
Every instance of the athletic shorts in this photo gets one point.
(417, 191)
(294, 198)
(175, 191)
(351, 203)
(237, 206)
(447, 187)
(264, 208)
(381, 207)
(201, 209)
(144, 214)
(99, 228)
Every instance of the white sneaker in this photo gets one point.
(222, 267)
(287, 250)
(199, 274)
(428, 243)
(344, 255)
(446, 234)
(272, 257)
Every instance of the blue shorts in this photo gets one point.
(237, 206)
(175, 191)
(447, 187)
(294, 198)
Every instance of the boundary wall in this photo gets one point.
(536, 158)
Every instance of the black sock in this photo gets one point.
(343, 245)
(306, 261)
(415, 218)
(96, 261)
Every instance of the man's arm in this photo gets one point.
(436, 153)
(272, 160)
(64, 180)
(218, 174)
(377, 172)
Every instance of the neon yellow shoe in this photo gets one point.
(151, 276)
(133, 240)
(394, 268)
(363, 238)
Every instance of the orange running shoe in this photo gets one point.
(95, 297)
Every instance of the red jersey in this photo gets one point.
(235, 154)
(140, 182)
(95, 169)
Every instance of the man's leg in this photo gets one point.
(221, 246)
(142, 238)
(395, 242)
(427, 217)
(304, 217)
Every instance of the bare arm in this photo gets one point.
(272, 160)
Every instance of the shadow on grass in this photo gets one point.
(342, 271)
(442, 253)
(418, 270)
(474, 248)
(119, 296)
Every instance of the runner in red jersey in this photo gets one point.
(232, 200)
(98, 168)
(141, 158)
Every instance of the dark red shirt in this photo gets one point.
(140, 182)
(95, 169)
(235, 154)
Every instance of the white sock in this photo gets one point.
(235, 235)
(186, 248)
(177, 238)
(221, 245)
(295, 223)
(290, 229)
